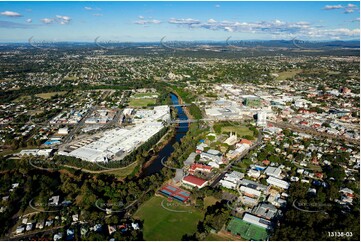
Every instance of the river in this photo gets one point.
(168, 149)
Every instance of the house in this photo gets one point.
(49, 222)
(250, 192)
(194, 181)
(40, 224)
(255, 185)
(254, 173)
(54, 201)
(265, 210)
(135, 226)
(111, 229)
(278, 182)
(75, 217)
(273, 171)
(29, 226)
(199, 167)
(25, 220)
(63, 131)
(228, 184)
(58, 236)
(245, 141)
(20, 229)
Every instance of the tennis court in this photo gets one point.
(246, 230)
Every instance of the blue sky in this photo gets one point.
(150, 21)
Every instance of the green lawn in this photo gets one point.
(239, 129)
(48, 95)
(138, 95)
(161, 224)
(288, 74)
(141, 102)
(209, 201)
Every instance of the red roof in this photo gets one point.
(245, 141)
(196, 166)
(194, 180)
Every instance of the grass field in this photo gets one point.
(239, 129)
(141, 102)
(161, 224)
(209, 201)
(139, 95)
(48, 95)
(123, 172)
(220, 237)
(287, 74)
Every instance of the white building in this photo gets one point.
(262, 119)
(63, 131)
(273, 171)
(278, 182)
(264, 223)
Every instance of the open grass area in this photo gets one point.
(141, 102)
(162, 224)
(288, 74)
(209, 201)
(123, 172)
(48, 95)
(239, 129)
(149, 94)
(220, 237)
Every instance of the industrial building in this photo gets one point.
(118, 142)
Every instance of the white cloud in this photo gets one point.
(217, 6)
(276, 28)
(60, 19)
(47, 20)
(88, 8)
(141, 17)
(332, 7)
(29, 20)
(11, 14)
(147, 21)
(184, 21)
(63, 19)
(349, 8)
(97, 14)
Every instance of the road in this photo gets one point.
(28, 234)
(79, 125)
(312, 131)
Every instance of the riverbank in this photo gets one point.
(154, 164)
(163, 142)
(185, 109)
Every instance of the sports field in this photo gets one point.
(148, 94)
(246, 230)
(168, 222)
(48, 95)
(239, 129)
(134, 102)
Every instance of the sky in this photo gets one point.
(178, 21)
